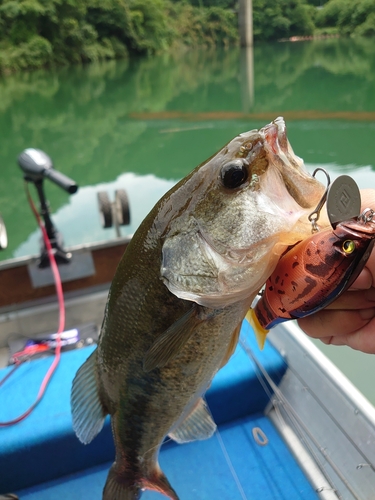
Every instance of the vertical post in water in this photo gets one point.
(247, 78)
(245, 21)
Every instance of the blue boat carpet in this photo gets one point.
(44, 448)
(200, 471)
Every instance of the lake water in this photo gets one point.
(145, 124)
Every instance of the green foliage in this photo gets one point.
(37, 33)
(35, 53)
(275, 19)
(225, 4)
(151, 25)
(355, 17)
(317, 3)
(367, 28)
(209, 26)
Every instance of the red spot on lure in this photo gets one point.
(313, 273)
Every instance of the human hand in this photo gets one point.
(349, 320)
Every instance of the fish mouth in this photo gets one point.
(275, 135)
(303, 187)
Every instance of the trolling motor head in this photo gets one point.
(37, 166)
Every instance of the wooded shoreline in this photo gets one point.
(47, 33)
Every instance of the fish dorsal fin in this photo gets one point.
(260, 332)
(87, 410)
(197, 425)
(169, 343)
(232, 345)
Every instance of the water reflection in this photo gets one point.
(164, 115)
(84, 207)
(247, 78)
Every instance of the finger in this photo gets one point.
(360, 340)
(370, 265)
(354, 299)
(335, 322)
(367, 198)
(364, 280)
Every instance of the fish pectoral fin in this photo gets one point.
(169, 343)
(197, 425)
(260, 332)
(88, 412)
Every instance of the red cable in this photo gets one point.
(60, 296)
(16, 365)
(29, 351)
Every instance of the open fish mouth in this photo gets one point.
(303, 188)
(275, 135)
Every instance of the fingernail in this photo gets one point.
(367, 313)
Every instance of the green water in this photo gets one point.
(145, 124)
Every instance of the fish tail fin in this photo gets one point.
(157, 481)
(117, 489)
(260, 332)
(120, 488)
(88, 412)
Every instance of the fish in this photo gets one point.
(312, 274)
(179, 296)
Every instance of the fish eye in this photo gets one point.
(348, 246)
(233, 174)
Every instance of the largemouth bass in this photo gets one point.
(312, 274)
(179, 295)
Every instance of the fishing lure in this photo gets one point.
(313, 273)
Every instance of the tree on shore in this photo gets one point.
(348, 17)
(275, 19)
(39, 33)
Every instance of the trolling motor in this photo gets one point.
(37, 166)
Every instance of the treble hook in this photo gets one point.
(315, 214)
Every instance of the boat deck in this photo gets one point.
(201, 470)
(40, 458)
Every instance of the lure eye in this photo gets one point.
(348, 247)
(233, 174)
